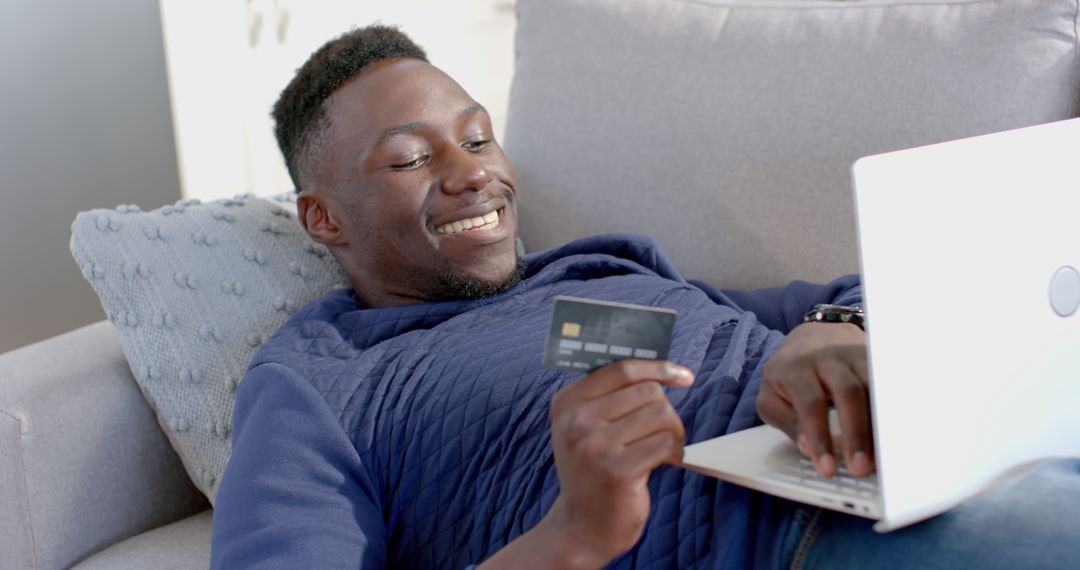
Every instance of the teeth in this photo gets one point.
(484, 222)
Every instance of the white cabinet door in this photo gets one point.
(206, 53)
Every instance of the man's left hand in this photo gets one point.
(819, 364)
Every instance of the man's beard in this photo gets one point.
(458, 287)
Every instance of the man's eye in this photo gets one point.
(475, 145)
(409, 165)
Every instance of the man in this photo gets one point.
(407, 422)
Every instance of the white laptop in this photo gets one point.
(969, 253)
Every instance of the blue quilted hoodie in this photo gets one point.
(418, 436)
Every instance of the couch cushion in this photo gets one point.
(178, 546)
(726, 128)
(83, 464)
(193, 290)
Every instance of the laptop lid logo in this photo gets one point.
(1065, 291)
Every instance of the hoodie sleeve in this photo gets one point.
(295, 493)
(782, 308)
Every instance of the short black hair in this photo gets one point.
(300, 119)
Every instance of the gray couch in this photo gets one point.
(723, 128)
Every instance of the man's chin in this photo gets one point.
(463, 286)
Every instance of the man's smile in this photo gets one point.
(466, 223)
(479, 224)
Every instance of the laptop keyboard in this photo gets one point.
(804, 473)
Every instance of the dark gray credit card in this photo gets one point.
(587, 334)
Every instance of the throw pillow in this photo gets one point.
(194, 290)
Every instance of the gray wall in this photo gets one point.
(84, 123)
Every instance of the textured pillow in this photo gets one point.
(726, 128)
(194, 290)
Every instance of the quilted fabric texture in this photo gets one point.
(194, 290)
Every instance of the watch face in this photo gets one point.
(839, 309)
(837, 314)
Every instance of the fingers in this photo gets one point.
(649, 453)
(852, 400)
(609, 430)
(794, 400)
(849, 394)
(818, 368)
(811, 404)
(638, 442)
(624, 419)
(645, 422)
(612, 392)
(614, 405)
(777, 412)
(624, 373)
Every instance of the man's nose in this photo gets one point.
(463, 172)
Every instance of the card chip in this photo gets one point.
(571, 329)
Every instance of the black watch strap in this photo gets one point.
(836, 314)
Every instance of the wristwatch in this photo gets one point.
(836, 314)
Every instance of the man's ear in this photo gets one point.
(314, 213)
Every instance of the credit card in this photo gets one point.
(586, 334)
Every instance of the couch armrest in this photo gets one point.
(83, 463)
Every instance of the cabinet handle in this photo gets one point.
(283, 20)
(255, 22)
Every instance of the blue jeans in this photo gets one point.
(1033, 522)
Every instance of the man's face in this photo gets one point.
(422, 193)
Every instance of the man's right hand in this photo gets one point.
(609, 430)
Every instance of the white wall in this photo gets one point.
(84, 123)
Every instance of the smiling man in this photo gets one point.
(404, 181)
(407, 422)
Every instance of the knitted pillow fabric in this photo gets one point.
(193, 291)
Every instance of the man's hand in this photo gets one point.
(821, 363)
(609, 430)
